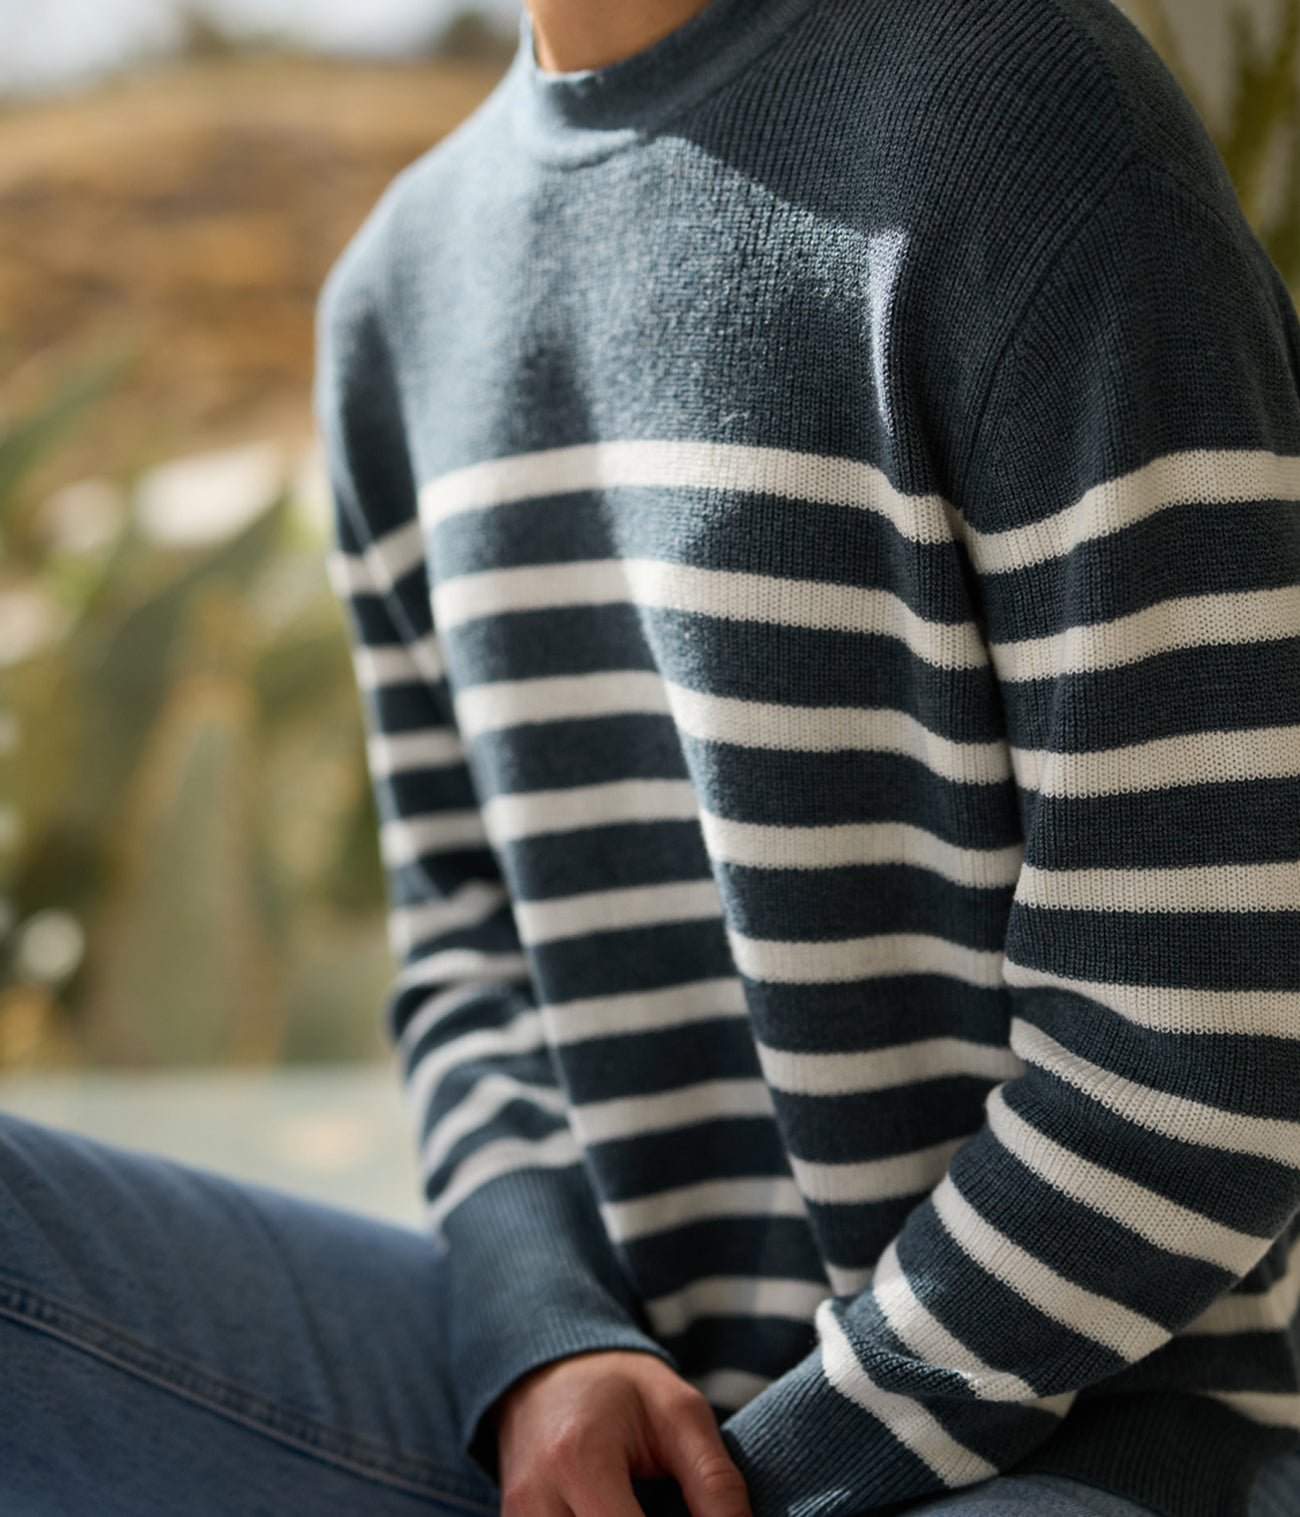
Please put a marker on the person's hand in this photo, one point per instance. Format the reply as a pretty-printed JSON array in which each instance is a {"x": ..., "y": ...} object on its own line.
[{"x": 572, "y": 1434}]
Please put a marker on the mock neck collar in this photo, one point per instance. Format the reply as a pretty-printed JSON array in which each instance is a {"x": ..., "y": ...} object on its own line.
[{"x": 584, "y": 114}]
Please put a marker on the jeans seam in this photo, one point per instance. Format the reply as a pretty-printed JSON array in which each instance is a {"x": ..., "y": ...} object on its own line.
[{"x": 110, "y": 1344}]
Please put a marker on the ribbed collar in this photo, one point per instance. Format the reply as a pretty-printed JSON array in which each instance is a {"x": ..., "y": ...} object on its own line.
[{"x": 585, "y": 114}]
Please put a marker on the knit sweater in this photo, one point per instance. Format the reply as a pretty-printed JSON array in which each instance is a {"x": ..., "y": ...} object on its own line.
[{"x": 817, "y": 507}]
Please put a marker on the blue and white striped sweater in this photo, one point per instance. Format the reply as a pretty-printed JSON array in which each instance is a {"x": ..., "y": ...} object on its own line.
[{"x": 818, "y": 510}]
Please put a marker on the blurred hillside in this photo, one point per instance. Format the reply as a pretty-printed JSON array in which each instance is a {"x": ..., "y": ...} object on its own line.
[
  {"x": 189, "y": 868},
  {"x": 188, "y": 215}
]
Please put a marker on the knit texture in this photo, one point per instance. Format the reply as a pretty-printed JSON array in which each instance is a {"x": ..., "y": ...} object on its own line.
[{"x": 818, "y": 515}]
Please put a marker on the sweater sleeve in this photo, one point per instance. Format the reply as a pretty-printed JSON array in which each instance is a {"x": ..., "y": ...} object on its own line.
[
  {"x": 526, "y": 1273},
  {"x": 1131, "y": 514}
]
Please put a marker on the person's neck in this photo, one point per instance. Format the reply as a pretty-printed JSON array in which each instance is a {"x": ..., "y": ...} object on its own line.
[{"x": 581, "y": 34}]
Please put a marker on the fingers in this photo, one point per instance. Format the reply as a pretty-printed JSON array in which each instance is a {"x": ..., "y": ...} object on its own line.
[
  {"x": 600, "y": 1486},
  {"x": 532, "y": 1501},
  {"x": 690, "y": 1446}
]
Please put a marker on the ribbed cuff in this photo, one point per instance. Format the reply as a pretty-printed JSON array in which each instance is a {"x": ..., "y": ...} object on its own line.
[
  {"x": 528, "y": 1277},
  {"x": 799, "y": 1442}
]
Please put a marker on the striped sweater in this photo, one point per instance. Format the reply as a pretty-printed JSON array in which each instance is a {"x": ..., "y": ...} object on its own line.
[{"x": 817, "y": 507}]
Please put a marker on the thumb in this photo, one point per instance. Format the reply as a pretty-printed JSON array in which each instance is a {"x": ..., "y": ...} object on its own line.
[{"x": 690, "y": 1447}]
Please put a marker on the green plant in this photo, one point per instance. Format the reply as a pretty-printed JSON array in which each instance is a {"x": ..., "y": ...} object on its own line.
[{"x": 190, "y": 870}]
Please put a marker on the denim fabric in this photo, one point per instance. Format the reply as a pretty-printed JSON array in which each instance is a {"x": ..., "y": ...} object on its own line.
[
  {"x": 173, "y": 1341},
  {"x": 1275, "y": 1493},
  {"x": 1031, "y": 1496}
]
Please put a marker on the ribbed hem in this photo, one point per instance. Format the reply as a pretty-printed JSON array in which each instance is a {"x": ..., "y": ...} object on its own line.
[
  {"x": 528, "y": 1277},
  {"x": 585, "y": 114}
]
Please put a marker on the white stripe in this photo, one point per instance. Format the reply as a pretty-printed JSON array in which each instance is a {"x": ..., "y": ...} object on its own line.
[
  {"x": 862, "y": 1069},
  {"x": 470, "y": 904},
  {"x": 749, "y": 1296},
  {"x": 909, "y": 1421},
  {"x": 462, "y": 964},
  {"x": 533, "y": 813},
  {"x": 714, "y": 467},
  {"x": 1197, "y": 887},
  {"x": 442, "y": 1004},
  {"x": 407, "y": 838},
  {"x": 848, "y": 1282},
  {"x": 676, "y": 1005},
  {"x": 1277, "y": 1408},
  {"x": 367, "y": 575},
  {"x": 1172, "y": 1116},
  {"x": 1253, "y": 1311},
  {"x": 592, "y": 911},
  {"x": 724, "y": 593},
  {"x": 1219, "y": 757},
  {"x": 728, "y": 719},
  {"x": 1169, "y": 626},
  {"x": 781, "y": 846},
  {"x": 381, "y": 562},
  {"x": 375, "y": 571},
  {"x": 1127, "y": 1333},
  {"x": 929, "y": 1340},
  {"x": 511, "y": 703},
  {"x": 400, "y": 752},
  {"x": 835, "y": 729},
  {"x": 1175, "y": 1008},
  {"x": 855, "y": 1182},
  {"x": 481, "y": 1104},
  {"x": 523, "y": 1034},
  {"x": 1143, "y": 1211},
  {"x": 633, "y": 1116},
  {"x": 876, "y": 957},
  {"x": 380, "y": 665},
  {"x": 1198, "y": 475},
  {"x": 348, "y": 574},
  {"x": 730, "y": 1389},
  {"x": 739, "y": 1196},
  {"x": 556, "y": 1151}
]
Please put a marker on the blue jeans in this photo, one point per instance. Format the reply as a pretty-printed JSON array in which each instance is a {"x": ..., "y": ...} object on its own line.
[{"x": 174, "y": 1342}]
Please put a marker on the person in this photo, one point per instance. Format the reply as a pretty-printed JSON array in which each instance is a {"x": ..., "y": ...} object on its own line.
[{"x": 817, "y": 508}]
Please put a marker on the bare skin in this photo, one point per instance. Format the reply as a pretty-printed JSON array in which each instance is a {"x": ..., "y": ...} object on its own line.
[
  {"x": 578, "y": 34},
  {"x": 572, "y": 1435}
]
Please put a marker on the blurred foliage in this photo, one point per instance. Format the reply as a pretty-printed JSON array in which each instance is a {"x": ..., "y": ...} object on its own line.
[
  {"x": 202, "y": 35},
  {"x": 470, "y": 36},
  {"x": 193, "y": 873},
  {"x": 1262, "y": 117}
]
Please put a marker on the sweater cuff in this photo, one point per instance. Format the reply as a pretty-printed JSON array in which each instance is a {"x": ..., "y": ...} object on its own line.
[
  {"x": 528, "y": 1276},
  {"x": 801, "y": 1439},
  {"x": 779, "y": 1441}
]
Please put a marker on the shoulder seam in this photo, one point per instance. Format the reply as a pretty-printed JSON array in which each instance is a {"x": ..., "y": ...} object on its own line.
[
  {"x": 1099, "y": 54},
  {"x": 1190, "y": 189},
  {"x": 1071, "y": 232},
  {"x": 1138, "y": 160},
  {"x": 1257, "y": 251}
]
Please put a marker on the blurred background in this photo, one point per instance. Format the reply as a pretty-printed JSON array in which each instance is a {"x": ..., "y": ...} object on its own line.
[{"x": 192, "y": 948}]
